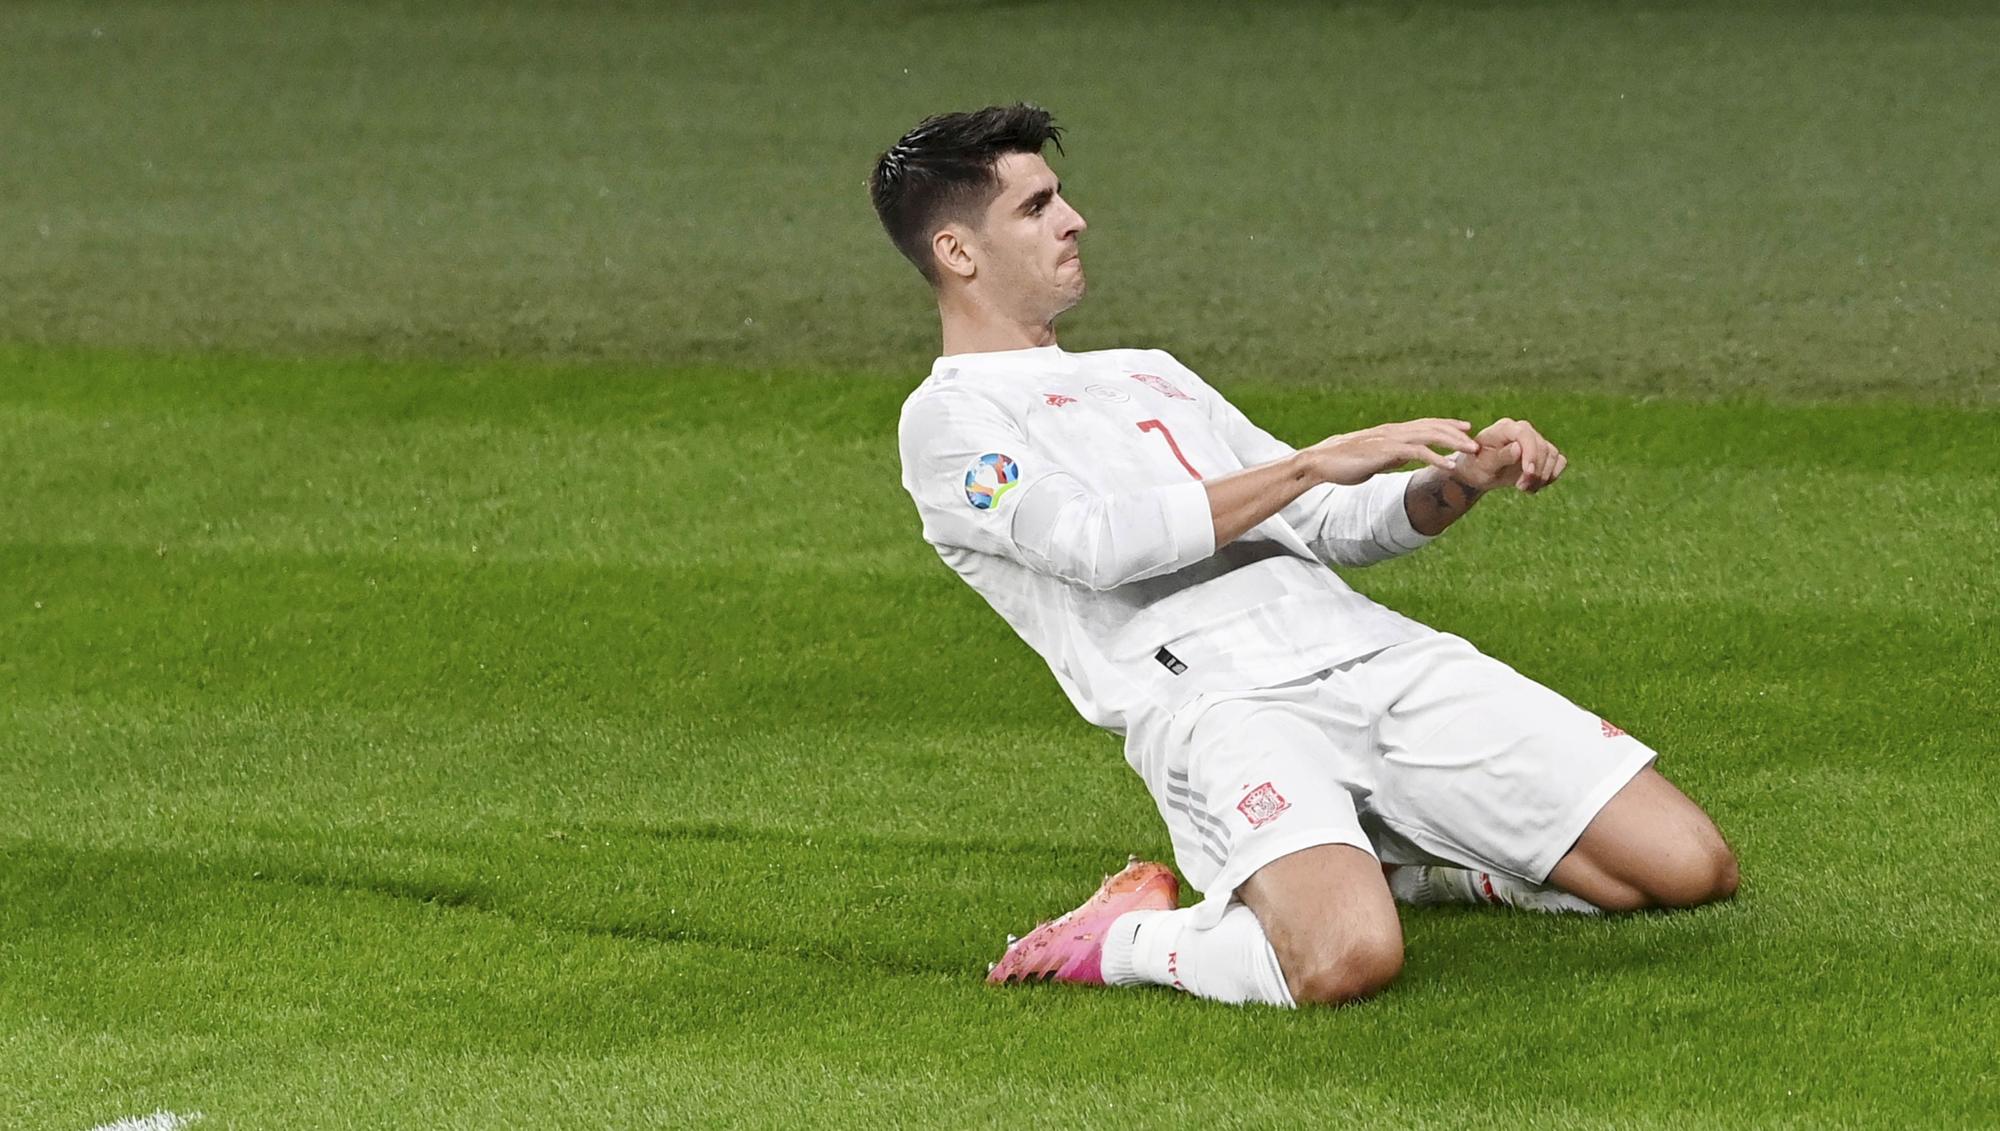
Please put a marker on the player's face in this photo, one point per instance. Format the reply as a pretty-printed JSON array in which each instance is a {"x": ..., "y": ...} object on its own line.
[{"x": 1028, "y": 244}]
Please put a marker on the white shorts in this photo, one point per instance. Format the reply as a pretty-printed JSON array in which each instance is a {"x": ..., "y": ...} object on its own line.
[{"x": 1425, "y": 752}]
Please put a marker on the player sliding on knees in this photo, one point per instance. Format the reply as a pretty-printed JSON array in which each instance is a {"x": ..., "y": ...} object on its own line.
[{"x": 1315, "y": 755}]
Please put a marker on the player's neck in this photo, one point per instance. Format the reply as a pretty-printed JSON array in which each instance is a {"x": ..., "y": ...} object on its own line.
[{"x": 970, "y": 328}]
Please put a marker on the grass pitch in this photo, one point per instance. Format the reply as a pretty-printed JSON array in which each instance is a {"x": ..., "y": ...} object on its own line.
[
  {"x": 1785, "y": 198},
  {"x": 395, "y": 746},
  {"x": 468, "y": 662}
]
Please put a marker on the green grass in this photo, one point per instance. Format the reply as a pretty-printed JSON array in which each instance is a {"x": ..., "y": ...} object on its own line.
[
  {"x": 466, "y": 659},
  {"x": 435, "y": 746},
  {"x": 1705, "y": 197}
]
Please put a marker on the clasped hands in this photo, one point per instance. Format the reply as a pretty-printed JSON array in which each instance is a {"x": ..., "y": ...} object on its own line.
[{"x": 1505, "y": 452}]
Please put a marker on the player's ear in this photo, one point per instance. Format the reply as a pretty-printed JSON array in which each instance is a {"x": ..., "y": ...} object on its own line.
[{"x": 952, "y": 250}]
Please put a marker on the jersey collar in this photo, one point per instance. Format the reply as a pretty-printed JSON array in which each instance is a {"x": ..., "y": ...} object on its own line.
[{"x": 1041, "y": 358}]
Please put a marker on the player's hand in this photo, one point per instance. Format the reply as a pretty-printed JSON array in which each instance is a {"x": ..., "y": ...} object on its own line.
[
  {"x": 1511, "y": 453},
  {"x": 1353, "y": 457}
]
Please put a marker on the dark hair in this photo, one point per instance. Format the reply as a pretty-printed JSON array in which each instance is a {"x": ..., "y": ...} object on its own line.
[{"x": 943, "y": 169}]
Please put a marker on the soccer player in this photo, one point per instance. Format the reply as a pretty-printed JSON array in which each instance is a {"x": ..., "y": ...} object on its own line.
[{"x": 1315, "y": 755}]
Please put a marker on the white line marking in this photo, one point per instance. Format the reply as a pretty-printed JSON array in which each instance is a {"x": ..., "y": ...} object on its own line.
[{"x": 158, "y": 1121}]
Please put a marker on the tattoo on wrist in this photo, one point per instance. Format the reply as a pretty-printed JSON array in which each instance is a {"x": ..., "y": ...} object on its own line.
[
  {"x": 1435, "y": 490},
  {"x": 1440, "y": 491}
]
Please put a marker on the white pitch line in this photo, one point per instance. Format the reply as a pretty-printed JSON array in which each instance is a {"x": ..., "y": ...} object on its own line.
[{"x": 158, "y": 1121}]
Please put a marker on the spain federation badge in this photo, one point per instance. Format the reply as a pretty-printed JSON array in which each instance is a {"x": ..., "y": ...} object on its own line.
[{"x": 990, "y": 476}]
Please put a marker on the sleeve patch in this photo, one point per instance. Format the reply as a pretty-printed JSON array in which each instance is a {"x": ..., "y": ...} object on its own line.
[{"x": 990, "y": 476}]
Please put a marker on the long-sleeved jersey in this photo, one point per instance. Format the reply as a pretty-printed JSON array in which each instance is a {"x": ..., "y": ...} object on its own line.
[{"x": 1066, "y": 488}]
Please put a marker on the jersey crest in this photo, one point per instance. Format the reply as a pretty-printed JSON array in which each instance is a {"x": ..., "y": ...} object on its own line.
[{"x": 1161, "y": 386}]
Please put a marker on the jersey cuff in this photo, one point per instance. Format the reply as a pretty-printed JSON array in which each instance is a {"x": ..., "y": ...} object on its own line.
[
  {"x": 1190, "y": 524},
  {"x": 1392, "y": 514}
]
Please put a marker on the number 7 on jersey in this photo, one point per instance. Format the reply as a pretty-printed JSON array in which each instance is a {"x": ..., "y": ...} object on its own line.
[{"x": 1157, "y": 426}]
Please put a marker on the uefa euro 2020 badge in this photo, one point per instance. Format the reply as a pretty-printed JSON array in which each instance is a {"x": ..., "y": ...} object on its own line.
[{"x": 990, "y": 476}]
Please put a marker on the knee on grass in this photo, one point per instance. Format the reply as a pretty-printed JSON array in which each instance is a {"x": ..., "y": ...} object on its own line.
[
  {"x": 1348, "y": 969},
  {"x": 1693, "y": 872}
]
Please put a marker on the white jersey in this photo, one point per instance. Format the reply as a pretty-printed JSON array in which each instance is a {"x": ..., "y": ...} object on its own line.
[{"x": 1066, "y": 488}]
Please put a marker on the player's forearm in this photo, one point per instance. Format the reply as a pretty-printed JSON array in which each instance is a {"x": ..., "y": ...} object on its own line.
[
  {"x": 1242, "y": 499},
  {"x": 1435, "y": 499},
  {"x": 1100, "y": 541}
]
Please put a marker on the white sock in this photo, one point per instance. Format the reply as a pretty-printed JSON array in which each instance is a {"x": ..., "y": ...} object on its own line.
[
  {"x": 1427, "y": 885},
  {"x": 1231, "y": 961}
]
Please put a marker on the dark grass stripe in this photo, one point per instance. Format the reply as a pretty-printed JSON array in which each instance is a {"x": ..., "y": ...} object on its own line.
[{"x": 1703, "y": 200}]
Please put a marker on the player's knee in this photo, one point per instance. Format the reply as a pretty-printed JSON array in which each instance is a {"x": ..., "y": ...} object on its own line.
[
  {"x": 1727, "y": 875},
  {"x": 1358, "y": 965},
  {"x": 1701, "y": 870}
]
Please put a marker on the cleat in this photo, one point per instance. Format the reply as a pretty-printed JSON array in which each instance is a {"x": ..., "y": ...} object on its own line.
[{"x": 1071, "y": 948}]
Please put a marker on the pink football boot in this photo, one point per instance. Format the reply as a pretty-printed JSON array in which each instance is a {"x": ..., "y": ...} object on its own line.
[{"x": 1071, "y": 949}]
